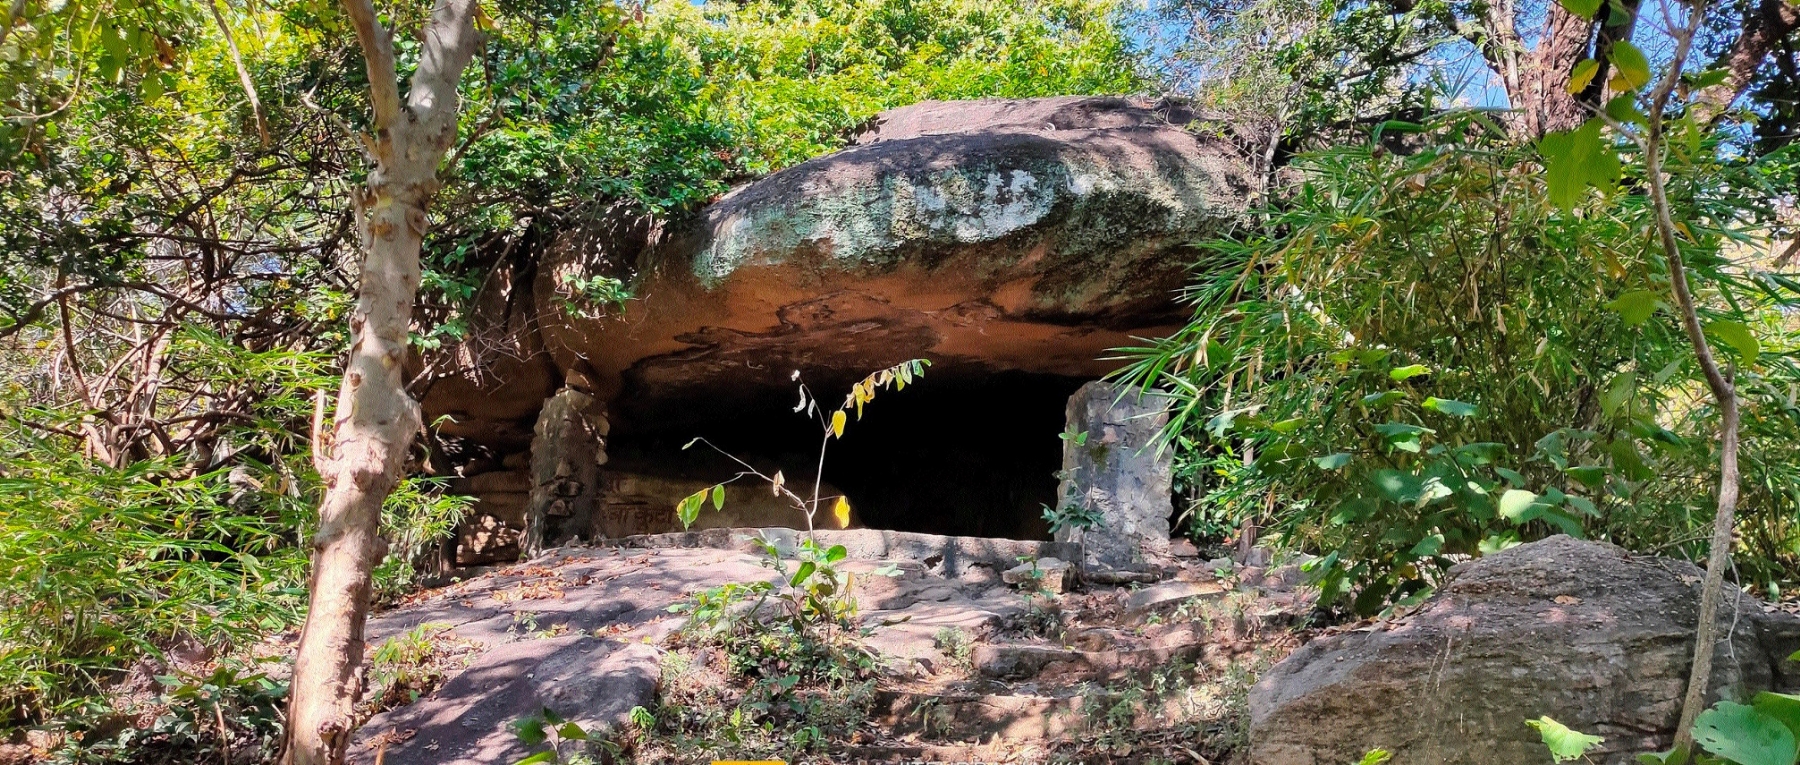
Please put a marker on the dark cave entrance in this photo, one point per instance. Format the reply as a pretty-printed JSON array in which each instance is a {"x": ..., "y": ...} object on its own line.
[{"x": 964, "y": 452}]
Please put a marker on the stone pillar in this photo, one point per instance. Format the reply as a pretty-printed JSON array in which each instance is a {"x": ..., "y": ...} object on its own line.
[
  {"x": 1115, "y": 473},
  {"x": 568, "y": 445}
]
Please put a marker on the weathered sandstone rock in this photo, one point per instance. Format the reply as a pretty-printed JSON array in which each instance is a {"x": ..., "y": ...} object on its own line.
[
  {"x": 1012, "y": 242},
  {"x": 1591, "y": 635},
  {"x": 1028, "y": 235},
  {"x": 1113, "y": 470}
]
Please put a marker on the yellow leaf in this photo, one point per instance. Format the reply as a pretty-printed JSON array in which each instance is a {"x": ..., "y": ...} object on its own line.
[
  {"x": 1584, "y": 74},
  {"x": 837, "y": 423},
  {"x": 777, "y": 481},
  {"x": 841, "y": 511}
]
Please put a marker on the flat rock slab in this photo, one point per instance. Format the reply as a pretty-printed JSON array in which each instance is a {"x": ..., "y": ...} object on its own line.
[
  {"x": 1165, "y": 597},
  {"x": 535, "y": 624},
  {"x": 954, "y": 557},
  {"x": 577, "y": 630}
]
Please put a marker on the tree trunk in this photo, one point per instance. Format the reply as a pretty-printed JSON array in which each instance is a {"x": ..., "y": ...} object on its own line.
[
  {"x": 1765, "y": 24},
  {"x": 1541, "y": 94},
  {"x": 376, "y": 421}
]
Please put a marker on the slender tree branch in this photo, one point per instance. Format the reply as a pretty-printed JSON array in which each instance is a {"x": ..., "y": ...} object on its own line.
[
  {"x": 237, "y": 59},
  {"x": 378, "y": 56},
  {"x": 1724, "y": 519}
]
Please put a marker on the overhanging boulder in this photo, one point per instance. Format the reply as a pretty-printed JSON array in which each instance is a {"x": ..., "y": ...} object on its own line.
[
  {"x": 1011, "y": 242},
  {"x": 987, "y": 235}
]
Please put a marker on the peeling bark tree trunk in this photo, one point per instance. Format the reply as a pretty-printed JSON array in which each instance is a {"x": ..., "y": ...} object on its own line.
[{"x": 376, "y": 420}]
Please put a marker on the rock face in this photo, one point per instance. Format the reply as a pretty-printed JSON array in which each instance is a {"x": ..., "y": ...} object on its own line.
[
  {"x": 1011, "y": 242},
  {"x": 1112, "y": 470},
  {"x": 1020, "y": 235},
  {"x": 1586, "y": 633}
]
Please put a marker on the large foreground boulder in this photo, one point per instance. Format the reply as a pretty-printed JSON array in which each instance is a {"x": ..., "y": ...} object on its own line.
[{"x": 1586, "y": 633}]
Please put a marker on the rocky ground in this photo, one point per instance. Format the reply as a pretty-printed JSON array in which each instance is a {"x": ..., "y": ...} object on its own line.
[{"x": 971, "y": 667}]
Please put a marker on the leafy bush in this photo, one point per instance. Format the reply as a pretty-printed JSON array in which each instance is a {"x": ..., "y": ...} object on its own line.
[{"x": 1425, "y": 358}]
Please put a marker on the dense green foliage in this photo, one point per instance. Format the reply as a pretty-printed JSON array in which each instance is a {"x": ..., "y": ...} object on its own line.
[{"x": 1427, "y": 357}]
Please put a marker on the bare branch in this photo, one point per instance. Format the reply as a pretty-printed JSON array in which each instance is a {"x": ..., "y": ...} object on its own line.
[
  {"x": 451, "y": 41},
  {"x": 1724, "y": 392}
]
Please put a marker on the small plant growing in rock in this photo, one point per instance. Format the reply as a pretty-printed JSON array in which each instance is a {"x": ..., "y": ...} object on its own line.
[
  {"x": 408, "y": 666},
  {"x": 548, "y": 727},
  {"x": 1070, "y": 516},
  {"x": 958, "y": 645},
  {"x": 831, "y": 424}
]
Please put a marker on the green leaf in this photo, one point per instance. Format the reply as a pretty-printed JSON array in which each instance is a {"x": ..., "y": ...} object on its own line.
[
  {"x": 1495, "y": 544},
  {"x": 1512, "y": 476},
  {"x": 1711, "y": 77},
  {"x": 1781, "y": 706},
  {"x": 1383, "y": 399},
  {"x": 1402, "y": 435},
  {"x": 1677, "y": 756},
  {"x": 1583, "y": 8},
  {"x": 1563, "y": 522},
  {"x": 572, "y": 732},
  {"x": 1636, "y": 306},
  {"x": 1589, "y": 475},
  {"x": 1428, "y": 546},
  {"x": 1376, "y": 757},
  {"x": 688, "y": 510},
  {"x": 1576, "y": 159},
  {"x": 538, "y": 759},
  {"x": 1624, "y": 108},
  {"x": 1408, "y": 372},
  {"x": 1332, "y": 461},
  {"x": 1516, "y": 504},
  {"x": 1583, "y": 74},
  {"x": 1450, "y": 407},
  {"x": 1565, "y": 744},
  {"x": 1618, "y": 391},
  {"x": 718, "y": 497},
  {"x": 1738, "y": 336},
  {"x": 530, "y": 730},
  {"x": 835, "y": 553},
  {"x": 800, "y": 575},
  {"x": 1745, "y": 735},
  {"x": 1633, "y": 71}
]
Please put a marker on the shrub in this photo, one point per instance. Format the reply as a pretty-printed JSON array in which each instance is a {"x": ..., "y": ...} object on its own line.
[{"x": 1425, "y": 358}]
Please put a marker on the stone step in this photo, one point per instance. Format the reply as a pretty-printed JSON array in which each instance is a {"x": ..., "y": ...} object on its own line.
[
  {"x": 907, "y": 754},
  {"x": 978, "y": 559},
  {"x": 1016, "y": 662},
  {"x": 981, "y": 718},
  {"x": 1163, "y": 599}
]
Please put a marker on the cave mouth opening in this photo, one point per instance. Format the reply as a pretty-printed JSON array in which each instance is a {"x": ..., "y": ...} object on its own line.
[{"x": 963, "y": 452}]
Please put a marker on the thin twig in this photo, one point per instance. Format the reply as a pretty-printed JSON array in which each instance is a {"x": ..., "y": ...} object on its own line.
[{"x": 237, "y": 59}]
